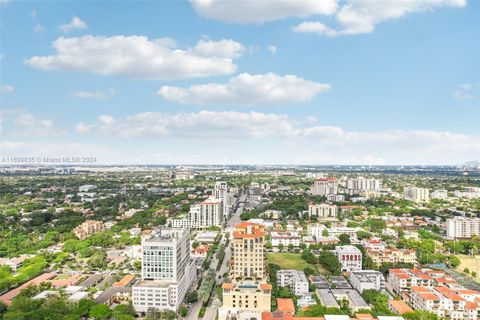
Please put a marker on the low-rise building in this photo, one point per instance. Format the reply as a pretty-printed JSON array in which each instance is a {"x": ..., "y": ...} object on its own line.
[
  {"x": 285, "y": 238},
  {"x": 350, "y": 258},
  {"x": 367, "y": 279},
  {"x": 295, "y": 279}
]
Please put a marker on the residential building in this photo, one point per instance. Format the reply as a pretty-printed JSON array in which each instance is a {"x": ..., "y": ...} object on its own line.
[
  {"x": 295, "y": 279},
  {"x": 323, "y": 211},
  {"x": 316, "y": 230},
  {"x": 285, "y": 238},
  {"x": 439, "y": 194},
  {"x": 415, "y": 194},
  {"x": 207, "y": 213},
  {"x": 444, "y": 302},
  {"x": 167, "y": 271},
  {"x": 392, "y": 255},
  {"x": 324, "y": 187},
  {"x": 220, "y": 191},
  {"x": 248, "y": 291},
  {"x": 350, "y": 258},
  {"x": 335, "y": 197},
  {"x": 367, "y": 279},
  {"x": 463, "y": 227},
  {"x": 362, "y": 184},
  {"x": 88, "y": 228}
]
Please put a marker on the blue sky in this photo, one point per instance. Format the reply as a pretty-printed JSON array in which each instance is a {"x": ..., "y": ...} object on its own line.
[{"x": 344, "y": 82}]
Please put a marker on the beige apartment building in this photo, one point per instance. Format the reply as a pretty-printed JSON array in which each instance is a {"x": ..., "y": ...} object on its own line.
[
  {"x": 88, "y": 228},
  {"x": 247, "y": 292}
]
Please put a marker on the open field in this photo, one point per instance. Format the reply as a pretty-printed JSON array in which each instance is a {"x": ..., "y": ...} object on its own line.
[
  {"x": 472, "y": 263},
  {"x": 289, "y": 261}
]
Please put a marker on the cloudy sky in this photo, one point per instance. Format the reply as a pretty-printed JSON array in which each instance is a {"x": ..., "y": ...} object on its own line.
[{"x": 241, "y": 82}]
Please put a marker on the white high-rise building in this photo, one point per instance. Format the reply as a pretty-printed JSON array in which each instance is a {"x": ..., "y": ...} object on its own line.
[
  {"x": 220, "y": 191},
  {"x": 462, "y": 227},
  {"x": 207, "y": 213},
  {"x": 167, "y": 271},
  {"x": 361, "y": 184},
  {"x": 416, "y": 194},
  {"x": 323, "y": 211},
  {"x": 439, "y": 194},
  {"x": 324, "y": 187}
]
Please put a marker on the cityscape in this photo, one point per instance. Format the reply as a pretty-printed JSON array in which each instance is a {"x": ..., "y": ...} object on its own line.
[{"x": 240, "y": 160}]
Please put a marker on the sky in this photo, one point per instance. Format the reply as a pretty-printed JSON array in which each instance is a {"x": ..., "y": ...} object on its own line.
[{"x": 333, "y": 82}]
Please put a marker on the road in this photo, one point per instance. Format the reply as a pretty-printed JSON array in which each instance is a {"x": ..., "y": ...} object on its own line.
[{"x": 211, "y": 312}]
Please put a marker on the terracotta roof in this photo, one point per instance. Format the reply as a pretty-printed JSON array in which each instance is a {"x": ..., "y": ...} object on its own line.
[
  {"x": 227, "y": 285},
  {"x": 400, "y": 306},
  {"x": 125, "y": 281},
  {"x": 285, "y": 305},
  {"x": 428, "y": 296},
  {"x": 266, "y": 286}
]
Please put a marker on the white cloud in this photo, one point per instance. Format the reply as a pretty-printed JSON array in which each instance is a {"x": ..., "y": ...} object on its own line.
[
  {"x": 33, "y": 14},
  {"x": 361, "y": 16},
  {"x": 224, "y": 48},
  {"x": 272, "y": 49},
  {"x": 246, "y": 89},
  {"x": 6, "y": 89},
  {"x": 466, "y": 91},
  {"x": 75, "y": 24},
  {"x": 22, "y": 123},
  {"x": 97, "y": 95},
  {"x": 278, "y": 138},
  {"x": 261, "y": 11},
  {"x": 140, "y": 57},
  {"x": 38, "y": 29}
]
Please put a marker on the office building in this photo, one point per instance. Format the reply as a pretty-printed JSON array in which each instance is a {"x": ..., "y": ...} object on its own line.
[{"x": 167, "y": 271}]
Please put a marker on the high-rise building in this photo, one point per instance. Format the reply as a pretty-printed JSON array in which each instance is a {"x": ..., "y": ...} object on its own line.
[
  {"x": 88, "y": 228},
  {"x": 220, "y": 191},
  {"x": 463, "y": 227},
  {"x": 324, "y": 187},
  {"x": 167, "y": 271},
  {"x": 247, "y": 292},
  {"x": 323, "y": 211},
  {"x": 416, "y": 194},
  {"x": 362, "y": 184},
  {"x": 207, "y": 213}
]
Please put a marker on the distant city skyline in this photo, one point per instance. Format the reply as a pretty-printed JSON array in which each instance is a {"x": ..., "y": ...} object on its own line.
[{"x": 241, "y": 82}]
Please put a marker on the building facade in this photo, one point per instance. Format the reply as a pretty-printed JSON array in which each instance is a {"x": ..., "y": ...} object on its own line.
[
  {"x": 367, "y": 279},
  {"x": 207, "y": 213},
  {"x": 167, "y": 271},
  {"x": 463, "y": 227},
  {"x": 350, "y": 258},
  {"x": 323, "y": 211},
  {"x": 324, "y": 187},
  {"x": 415, "y": 194}
]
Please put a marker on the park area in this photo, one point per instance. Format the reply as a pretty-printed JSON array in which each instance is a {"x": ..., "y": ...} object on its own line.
[
  {"x": 472, "y": 264},
  {"x": 292, "y": 261}
]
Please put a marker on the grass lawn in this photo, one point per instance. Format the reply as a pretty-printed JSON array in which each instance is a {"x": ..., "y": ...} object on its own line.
[
  {"x": 472, "y": 263},
  {"x": 289, "y": 261}
]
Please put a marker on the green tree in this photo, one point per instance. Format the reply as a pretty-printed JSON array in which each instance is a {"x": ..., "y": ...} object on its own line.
[{"x": 100, "y": 312}]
